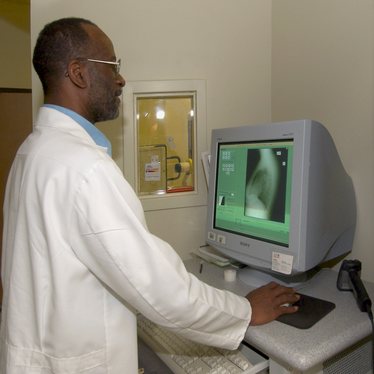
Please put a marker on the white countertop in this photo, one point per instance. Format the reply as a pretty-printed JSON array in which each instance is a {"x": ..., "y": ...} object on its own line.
[{"x": 297, "y": 348}]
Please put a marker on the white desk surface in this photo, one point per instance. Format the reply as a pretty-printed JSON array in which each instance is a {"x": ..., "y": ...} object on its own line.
[{"x": 302, "y": 349}]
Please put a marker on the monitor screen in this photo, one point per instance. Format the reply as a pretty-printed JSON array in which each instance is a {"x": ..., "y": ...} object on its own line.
[
  {"x": 254, "y": 189},
  {"x": 279, "y": 198}
]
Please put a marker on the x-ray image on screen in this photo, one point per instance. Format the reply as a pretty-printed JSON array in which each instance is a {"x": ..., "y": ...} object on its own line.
[{"x": 266, "y": 183}]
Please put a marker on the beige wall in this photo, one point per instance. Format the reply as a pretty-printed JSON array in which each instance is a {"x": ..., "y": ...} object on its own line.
[
  {"x": 261, "y": 60},
  {"x": 323, "y": 68},
  {"x": 227, "y": 46}
]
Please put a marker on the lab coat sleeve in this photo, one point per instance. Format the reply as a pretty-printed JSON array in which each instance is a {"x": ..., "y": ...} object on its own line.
[{"x": 110, "y": 237}]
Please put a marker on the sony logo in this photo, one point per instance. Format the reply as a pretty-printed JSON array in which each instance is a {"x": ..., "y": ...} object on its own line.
[{"x": 244, "y": 244}]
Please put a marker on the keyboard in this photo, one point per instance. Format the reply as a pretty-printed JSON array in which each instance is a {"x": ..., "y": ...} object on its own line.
[{"x": 184, "y": 356}]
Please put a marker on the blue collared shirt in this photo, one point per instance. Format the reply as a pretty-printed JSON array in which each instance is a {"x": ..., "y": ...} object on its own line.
[{"x": 98, "y": 137}]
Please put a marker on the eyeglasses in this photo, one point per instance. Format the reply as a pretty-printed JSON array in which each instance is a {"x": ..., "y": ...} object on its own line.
[{"x": 116, "y": 64}]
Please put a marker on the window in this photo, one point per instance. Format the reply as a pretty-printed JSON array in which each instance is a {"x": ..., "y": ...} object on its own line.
[{"x": 166, "y": 131}]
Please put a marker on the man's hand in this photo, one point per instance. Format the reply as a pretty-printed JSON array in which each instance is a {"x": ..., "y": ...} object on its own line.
[{"x": 270, "y": 301}]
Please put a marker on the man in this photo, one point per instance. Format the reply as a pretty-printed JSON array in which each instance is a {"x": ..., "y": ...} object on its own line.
[{"x": 78, "y": 260}]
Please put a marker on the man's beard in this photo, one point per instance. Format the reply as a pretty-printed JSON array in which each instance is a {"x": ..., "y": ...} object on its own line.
[
  {"x": 105, "y": 111},
  {"x": 103, "y": 101}
]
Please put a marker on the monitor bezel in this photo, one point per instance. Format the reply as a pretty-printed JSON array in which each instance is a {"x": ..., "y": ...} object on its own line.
[{"x": 262, "y": 252}]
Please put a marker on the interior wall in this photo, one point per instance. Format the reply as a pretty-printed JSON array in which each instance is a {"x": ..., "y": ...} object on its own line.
[
  {"x": 15, "y": 84},
  {"x": 321, "y": 59},
  {"x": 323, "y": 68},
  {"x": 227, "y": 46},
  {"x": 15, "y": 66},
  {"x": 15, "y": 125}
]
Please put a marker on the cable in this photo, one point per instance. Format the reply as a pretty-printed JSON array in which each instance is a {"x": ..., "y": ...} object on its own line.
[
  {"x": 370, "y": 314},
  {"x": 349, "y": 279}
]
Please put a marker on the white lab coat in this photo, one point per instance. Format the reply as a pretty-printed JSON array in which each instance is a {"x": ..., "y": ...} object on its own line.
[{"x": 79, "y": 261}]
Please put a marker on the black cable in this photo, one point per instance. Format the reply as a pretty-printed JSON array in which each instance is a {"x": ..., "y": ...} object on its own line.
[
  {"x": 370, "y": 314},
  {"x": 349, "y": 279}
]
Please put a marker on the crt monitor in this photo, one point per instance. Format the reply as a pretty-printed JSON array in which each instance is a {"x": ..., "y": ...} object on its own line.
[{"x": 279, "y": 200}]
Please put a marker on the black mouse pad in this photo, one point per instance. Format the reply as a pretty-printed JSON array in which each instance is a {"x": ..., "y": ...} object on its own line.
[{"x": 311, "y": 310}]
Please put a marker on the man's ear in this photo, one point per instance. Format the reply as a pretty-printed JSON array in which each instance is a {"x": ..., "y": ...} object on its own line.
[{"x": 77, "y": 73}]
